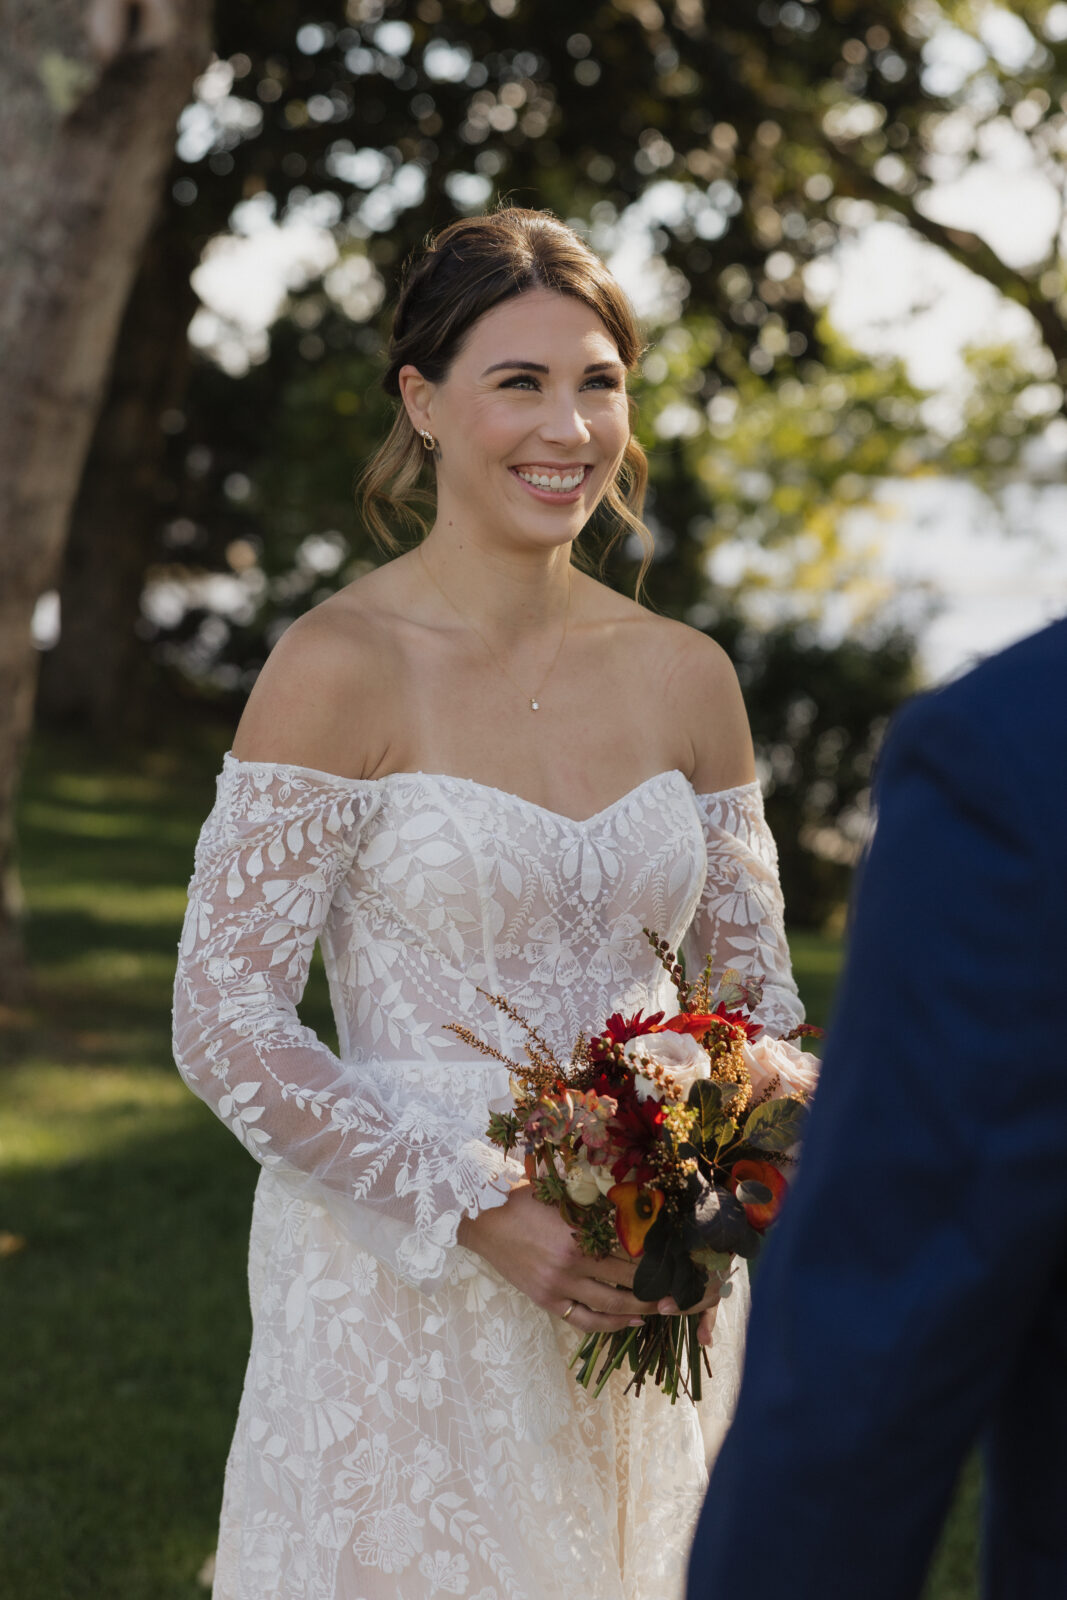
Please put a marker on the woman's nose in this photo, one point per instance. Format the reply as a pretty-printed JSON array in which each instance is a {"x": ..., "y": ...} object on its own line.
[{"x": 564, "y": 423}]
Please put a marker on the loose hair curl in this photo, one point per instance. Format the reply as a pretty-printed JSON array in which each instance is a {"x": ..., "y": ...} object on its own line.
[{"x": 467, "y": 269}]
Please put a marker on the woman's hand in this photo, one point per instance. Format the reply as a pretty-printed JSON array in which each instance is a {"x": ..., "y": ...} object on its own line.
[
  {"x": 531, "y": 1246},
  {"x": 707, "y": 1307}
]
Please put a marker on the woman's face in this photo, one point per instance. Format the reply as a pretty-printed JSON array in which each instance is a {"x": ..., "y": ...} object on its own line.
[{"x": 532, "y": 420}]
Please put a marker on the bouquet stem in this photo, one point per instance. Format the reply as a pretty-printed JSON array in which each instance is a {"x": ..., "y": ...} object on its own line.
[{"x": 668, "y": 1348}]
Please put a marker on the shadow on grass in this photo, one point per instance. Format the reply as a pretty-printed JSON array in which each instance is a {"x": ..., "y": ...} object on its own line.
[{"x": 126, "y": 1331}]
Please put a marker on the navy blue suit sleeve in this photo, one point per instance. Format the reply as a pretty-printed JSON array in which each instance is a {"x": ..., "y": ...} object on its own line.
[{"x": 930, "y": 1205}]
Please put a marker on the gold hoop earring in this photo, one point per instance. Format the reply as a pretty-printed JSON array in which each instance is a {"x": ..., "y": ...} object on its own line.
[{"x": 428, "y": 440}]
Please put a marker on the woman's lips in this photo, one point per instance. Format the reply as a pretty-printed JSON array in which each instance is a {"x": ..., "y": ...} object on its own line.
[{"x": 547, "y": 494}]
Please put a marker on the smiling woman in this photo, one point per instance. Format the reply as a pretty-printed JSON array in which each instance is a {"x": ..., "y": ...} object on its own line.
[
  {"x": 409, "y": 1426},
  {"x": 473, "y": 268}
]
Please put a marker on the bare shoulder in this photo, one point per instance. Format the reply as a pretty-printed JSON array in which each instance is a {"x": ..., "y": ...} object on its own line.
[
  {"x": 685, "y": 687},
  {"x": 698, "y": 683},
  {"x": 318, "y": 700}
]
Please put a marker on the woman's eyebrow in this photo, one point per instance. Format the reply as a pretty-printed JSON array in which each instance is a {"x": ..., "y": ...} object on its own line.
[
  {"x": 537, "y": 366},
  {"x": 522, "y": 366}
]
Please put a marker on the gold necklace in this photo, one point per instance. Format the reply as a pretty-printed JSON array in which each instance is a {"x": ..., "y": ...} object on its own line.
[{"x": 534, "y": 699}]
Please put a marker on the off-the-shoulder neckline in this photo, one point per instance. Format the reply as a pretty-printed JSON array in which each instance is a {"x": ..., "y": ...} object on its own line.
[{"x": 489, "y": 788}]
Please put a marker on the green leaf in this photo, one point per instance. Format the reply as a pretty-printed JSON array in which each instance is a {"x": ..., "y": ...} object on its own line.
[
  {"x": 717, "y": 1261},
  {"x": 705, "y": 1098},
  {"x": 719, "y": 1223},
  {"x": 503, "y": 1129},
  {"x": 550, "y": 1189},
  {"x": 775, "y": 1125},
  {"x": 688, "y": 1283},
  {"x": 655, "y": 1269},
  {"x": 653, "y": 1278}
]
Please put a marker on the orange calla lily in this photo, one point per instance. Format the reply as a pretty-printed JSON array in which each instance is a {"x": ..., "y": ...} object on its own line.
[
  {"x": 636, "y": 1209},
  {"x": 760, "y": 1216}
]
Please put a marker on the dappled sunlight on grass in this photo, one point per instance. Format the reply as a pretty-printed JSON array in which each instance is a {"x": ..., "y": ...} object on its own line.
[
  {"x": 55, "y": 1115},
  {"x": 114, "y": 903}
]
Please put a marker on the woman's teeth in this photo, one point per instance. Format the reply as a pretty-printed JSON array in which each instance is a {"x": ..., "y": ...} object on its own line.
[{"x": 554, "y": 480}]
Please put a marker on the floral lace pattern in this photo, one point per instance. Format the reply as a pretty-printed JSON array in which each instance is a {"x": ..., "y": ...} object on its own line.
[{"x": 409, "y": 1427}]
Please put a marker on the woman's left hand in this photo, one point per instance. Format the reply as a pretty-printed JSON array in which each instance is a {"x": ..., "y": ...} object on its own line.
[{"x": 707, "y": 1307}]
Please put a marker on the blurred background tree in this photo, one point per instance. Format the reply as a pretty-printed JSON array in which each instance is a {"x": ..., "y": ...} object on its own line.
[
  {"x": 735, "y": 146},
  {"x": 88, "y": 98}
]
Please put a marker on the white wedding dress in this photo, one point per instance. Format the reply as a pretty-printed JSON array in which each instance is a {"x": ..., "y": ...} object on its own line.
[{"x": 409, "y": 1427}]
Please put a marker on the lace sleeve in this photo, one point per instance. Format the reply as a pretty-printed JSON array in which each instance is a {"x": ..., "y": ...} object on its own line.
[
  {"x": 397, "y": 1172},
  {"x": 740, "y": 922}
]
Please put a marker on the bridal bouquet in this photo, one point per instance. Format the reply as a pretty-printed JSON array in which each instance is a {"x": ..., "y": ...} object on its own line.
[{"x": 652, "y": 1136}]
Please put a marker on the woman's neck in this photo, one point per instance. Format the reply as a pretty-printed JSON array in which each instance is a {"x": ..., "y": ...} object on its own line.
[{"x": 508, "y": 588}]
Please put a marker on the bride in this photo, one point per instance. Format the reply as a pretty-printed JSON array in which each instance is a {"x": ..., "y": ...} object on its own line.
[{"x": 475, "y": 769}]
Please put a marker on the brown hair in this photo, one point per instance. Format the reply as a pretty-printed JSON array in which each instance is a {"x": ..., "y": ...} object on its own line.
[{"x": 470, "y": 267}]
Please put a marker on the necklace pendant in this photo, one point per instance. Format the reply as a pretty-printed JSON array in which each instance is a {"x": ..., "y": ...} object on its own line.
[{"x": 535, "y": 705}]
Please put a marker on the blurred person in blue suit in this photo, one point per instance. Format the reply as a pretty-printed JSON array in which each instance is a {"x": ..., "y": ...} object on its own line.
[{"x": 914, "y": 1298}]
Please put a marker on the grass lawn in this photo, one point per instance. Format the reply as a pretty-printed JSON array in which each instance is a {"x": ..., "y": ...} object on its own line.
[{"x": 124, "y": 1208}]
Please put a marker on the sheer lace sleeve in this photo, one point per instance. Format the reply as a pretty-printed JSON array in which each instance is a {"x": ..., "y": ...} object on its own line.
[
  {"x": 397, "y": 1171},
  {"x": 740, "y": 922}
]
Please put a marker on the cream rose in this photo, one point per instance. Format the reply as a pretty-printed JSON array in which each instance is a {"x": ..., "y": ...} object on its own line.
[
  {"x": 770, "y": 1058},
  {"x": 677, "y": 1053},
  {"x": 581, "y": 1183}
]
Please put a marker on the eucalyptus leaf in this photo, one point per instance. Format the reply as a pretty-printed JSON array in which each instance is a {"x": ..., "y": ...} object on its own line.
[
  {"x": 751, "y": 1193},
  {"x": 713, "y": 1261},
  {"x": 775, "y": 1125},
  {"x": 655, "y": 1268},
  {"x": 705, "y": 1097},
  {"x": 688, "y": 1283},
  {"x": 720, "y": 1224},
  {"x": 654, "y": 1276}
]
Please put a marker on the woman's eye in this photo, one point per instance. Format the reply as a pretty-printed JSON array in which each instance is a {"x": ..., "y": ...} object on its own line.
[{"x": 524, "y": 381}]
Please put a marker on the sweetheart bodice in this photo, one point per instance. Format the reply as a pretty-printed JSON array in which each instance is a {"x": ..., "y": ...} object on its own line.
[{"x": 444, "y": 889}]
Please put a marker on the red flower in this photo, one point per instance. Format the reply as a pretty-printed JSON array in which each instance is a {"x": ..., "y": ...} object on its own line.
[
  {"x": 633, "y": 1129},
  {"x": 737, "y": 1019},
  {"x": 619, "y": 1030},
  {"x": 695, "y": 1022},
  {"x": 760, "y": 1216}
]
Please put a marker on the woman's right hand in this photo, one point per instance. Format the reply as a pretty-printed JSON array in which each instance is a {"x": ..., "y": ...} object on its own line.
[{"x": 531, "y": 1246}]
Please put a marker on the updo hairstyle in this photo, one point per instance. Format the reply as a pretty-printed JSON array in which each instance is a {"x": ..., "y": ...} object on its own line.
[{"x": 467, "y": 269}]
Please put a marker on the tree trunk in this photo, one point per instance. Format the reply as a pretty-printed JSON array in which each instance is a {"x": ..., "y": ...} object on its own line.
[
  {"x": 89, "y": 95},
  {"x": 94, "y": 679}
]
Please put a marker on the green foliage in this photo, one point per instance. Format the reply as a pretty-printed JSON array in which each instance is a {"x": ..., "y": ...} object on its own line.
[
  {"x": 656, "y": 1265},
  {"x": 706, "y": 1099},
  {"x": 776, "y": 1125},
  {"x": 764, "y": 134},
  {"x": 550, "y": 1189},
  {"x": 719, "y": 1224},
  {"x": 595, "y": 1230},
  {"x": 818, "y": 712},
  {"x": 751, "y": 1193},
  {"x": 688, "y": 1283},
  {"x": 503, "y": 1129}
]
